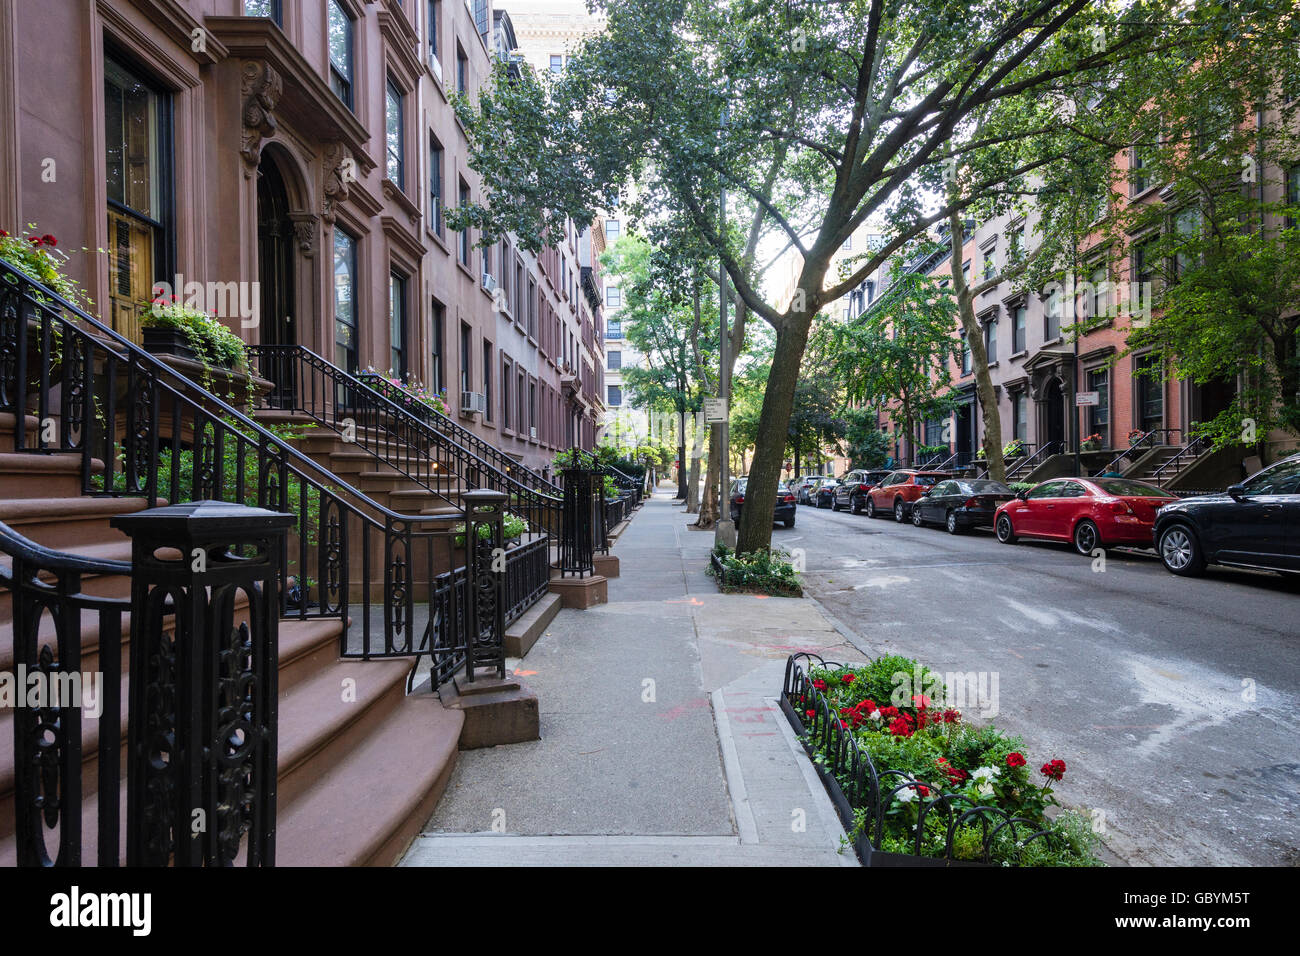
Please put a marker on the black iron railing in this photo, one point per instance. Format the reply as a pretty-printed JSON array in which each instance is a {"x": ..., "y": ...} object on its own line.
[
  {"x": 1027, "y": 464},
  {"x": 1185, "y": 455},
  {"x": 528, "y": 575},
  {"x": 485, "y": 451},
  {"x": 144, "y": 430},
  {"x": 864, "y": 795},
  {"x": 48, "y": 758},
  {"x": 379, "y": 419},
  {"x": 582, "y": 527}
]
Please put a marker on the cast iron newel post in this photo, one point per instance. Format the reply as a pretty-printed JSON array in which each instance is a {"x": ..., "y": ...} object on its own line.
[
  {"x": 201, "y": 735},
  {"x": 485, "y": 581}
]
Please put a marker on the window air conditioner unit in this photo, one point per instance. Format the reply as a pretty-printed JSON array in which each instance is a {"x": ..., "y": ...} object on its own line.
[
  {"x": 472, "y": 402},
  {"x": 489, "y": 282},
  {"x": 532, "y": 431}
]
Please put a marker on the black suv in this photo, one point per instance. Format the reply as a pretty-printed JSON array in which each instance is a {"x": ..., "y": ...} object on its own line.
[
  {"x": 852, "y": 490},
  {"x": 1255, "y": 524}
]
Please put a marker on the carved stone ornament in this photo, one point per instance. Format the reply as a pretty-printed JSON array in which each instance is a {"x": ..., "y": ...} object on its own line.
[
  {"x": 337, "y": 165},
  {"x": 305, "y": 229},
  {"x": 261, "y": 87}
]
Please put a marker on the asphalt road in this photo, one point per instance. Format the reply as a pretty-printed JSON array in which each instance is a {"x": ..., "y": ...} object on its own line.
[{"x": 1174, "y": 702}]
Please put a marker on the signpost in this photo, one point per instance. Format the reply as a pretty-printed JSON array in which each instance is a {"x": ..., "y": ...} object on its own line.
[
  {"x": 715, "y": 410},
  {"x": 1083, "y": 399}
]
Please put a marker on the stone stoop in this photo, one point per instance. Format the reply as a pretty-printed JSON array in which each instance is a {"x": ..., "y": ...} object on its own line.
[
  {"x": 523, "y": 633},
  {"x": 496, "y": 711}
]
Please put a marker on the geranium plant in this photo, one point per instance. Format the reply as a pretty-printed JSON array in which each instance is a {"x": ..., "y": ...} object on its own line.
[{"x": 414, "y": 390}]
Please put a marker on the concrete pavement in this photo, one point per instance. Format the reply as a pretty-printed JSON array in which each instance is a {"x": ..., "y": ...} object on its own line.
[{"x": 661, "y": 741}]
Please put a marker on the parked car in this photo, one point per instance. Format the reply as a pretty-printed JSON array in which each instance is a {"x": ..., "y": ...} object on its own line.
[
  {"x": 1255, "y": 524},
  {"x": 961, "y": 503},
  {"x": 896, "y": 491},
  {"x": 785, "y": 502},
  {"x": 823, "y": 496},
  {"x": 802, "y": 487},
  {"x": 853, "y": 487},
  {"x": 1090, "y": 513}
]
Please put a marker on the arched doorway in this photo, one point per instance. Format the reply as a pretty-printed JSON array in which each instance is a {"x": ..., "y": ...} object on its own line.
[{"x": 275, "y": 270}]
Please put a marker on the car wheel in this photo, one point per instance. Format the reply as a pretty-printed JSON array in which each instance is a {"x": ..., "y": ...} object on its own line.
[
  {"x": 916, "y": 517},
  {"x": 835, "y": 504},
  {"x": 871, "y": 507},
  {"x": 789, "y": 522},
  {"x": 855, "y": 505},
  {"x": 1180, "y": 551},
  {"x": 1086, "y": 538},
  {"x": 1006, "y": 534},
  {"x": 951, "y": 524},
  {"x": 899, "y": 514}
]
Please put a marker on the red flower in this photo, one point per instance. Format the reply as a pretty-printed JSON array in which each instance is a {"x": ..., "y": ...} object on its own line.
[
  {"x": 951, "y": 716},
  {"x": 867, "y": 705},
  {"x": 921, "y": 701},
  {"x": 900, "y": 727},
  {"x": 35, "y": 240},
  {"x": 810, "y": 713},
  {"x": 848, "y": 678},
  {"x": 1054, "y": 769},
  {"x": 888, "y": 711},
  {"x": 1015, "y": 760},
  {"x": 3, "y": 234},
  {"x": 49, "y": 240},
  {"x": 819, "y": 684},
  {"x": 923, "y": 790}
]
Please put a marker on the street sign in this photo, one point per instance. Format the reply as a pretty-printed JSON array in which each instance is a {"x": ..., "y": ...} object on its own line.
[
  {"x": 1087, "y": 398},
  {"x": 715, "y": 410}
]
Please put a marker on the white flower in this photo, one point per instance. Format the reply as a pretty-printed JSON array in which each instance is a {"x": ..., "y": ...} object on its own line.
[
  {"x": 986, "y": 774},
  {"x": 985, "y": 789},
  {"x": 906, "y": 796},
  {"x": 874, "y": 715}
]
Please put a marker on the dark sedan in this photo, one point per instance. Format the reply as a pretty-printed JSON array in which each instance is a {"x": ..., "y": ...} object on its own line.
[
  {"x": 823, "y": 496},
  {"x": 785, "y": 502},
  {"x": 960, "y": 503},
  {"x": 852, "y": 491},
  {"x": 1255, "y": 524}
]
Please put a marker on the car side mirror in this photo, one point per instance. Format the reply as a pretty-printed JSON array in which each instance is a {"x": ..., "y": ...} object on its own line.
[
  {"x": 1238, "y": 492},
  {"x": 1022, "y": 495}
]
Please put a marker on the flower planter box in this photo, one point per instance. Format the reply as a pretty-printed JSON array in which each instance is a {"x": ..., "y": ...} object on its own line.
[{"x": 168, "y": 341}]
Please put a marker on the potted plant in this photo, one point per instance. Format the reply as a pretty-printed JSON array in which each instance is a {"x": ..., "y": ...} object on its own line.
[
  {"x": 1135, "y": 436},
  {"x": 1013, "y": 449},
  {"x": 513, "y": 528},
  {"x": 1091, "y": 443}
]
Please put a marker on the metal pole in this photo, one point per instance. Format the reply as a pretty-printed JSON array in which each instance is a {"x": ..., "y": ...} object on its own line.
[{"x": 725, "y": 532}]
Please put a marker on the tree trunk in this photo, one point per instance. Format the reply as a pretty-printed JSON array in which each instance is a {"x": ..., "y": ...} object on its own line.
[
  {"x": 709, "y": 497},
  {"x": 979, "y": 357},
  {"x": 693, "y": 482},
  {"x": 774, "y": 424}
]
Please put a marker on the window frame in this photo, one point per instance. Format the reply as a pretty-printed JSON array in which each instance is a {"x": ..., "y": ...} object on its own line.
[
  {"x": 394, "y": 96},
  {"x": 336, "y": 79}
]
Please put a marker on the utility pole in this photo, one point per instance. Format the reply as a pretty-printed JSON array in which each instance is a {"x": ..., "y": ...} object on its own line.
[{"x": 725, "y": 530}]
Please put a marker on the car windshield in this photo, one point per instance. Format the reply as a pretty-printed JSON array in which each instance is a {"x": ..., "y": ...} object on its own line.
[
  {"x": 1131, "y": 489},
  {"x": 1281, "y": 479},
  {"x": 984, "y": 488},
  {"x": 925, "y": 481}
]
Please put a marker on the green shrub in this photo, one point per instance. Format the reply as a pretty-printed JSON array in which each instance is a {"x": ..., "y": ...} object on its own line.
[{"x": 763, "y": 572}]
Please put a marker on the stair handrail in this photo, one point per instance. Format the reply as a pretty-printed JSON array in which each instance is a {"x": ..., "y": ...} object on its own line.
[
  {"x": 505, "y": 481},
  {"x": 1195, "y": 447},
  {"x": 1147, "y": 439},
  {"x": 463, "y": 436},
  {"x": 1029, "y": 463},
  {"x": 276, "y": 459}
]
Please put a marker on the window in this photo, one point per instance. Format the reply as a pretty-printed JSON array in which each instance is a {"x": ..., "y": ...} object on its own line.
[
  {"x": 435, "y": 184},
  {"x": 614, "y": 329},
  {"x": 340, "y": 41},
  {"x": 965, "y": 271},
  {"x": 613, "y": 296},
  {"x": 1020, "y": 416},
  {"x": 1100, "y": 304},
  {"x": 612, "y": 227},
  {"x": 465, "y": 379},
  {"x": 487, "y": 379},
  {"x": 1139, "y": 179},
  {"x": 991, "y": 339},
  {"x": 1052, "y": 316},
  {"x": 437, "y": 321},
  {"x": 1048, "y": 489},
  {"x": 345, "y": 300},
  {"x": 848, "y": 244},
  {"x": 1144, "y": 261},
  {"x": 615, "y": 396},
  {"x": 615, "y": 359},
  {"x": 464, "y": 247},
  {"x": 990, "y": 264},
  {"x": 394, "y": 135},
  {"x": 431, "y": 28},
  {"x": 1020, "y": 315},
  {"x": 532, "y": 308},
  {"x": 397, "y": 324},
  {"x": 1293, "y": 194},
  {"x": 462, "y": 71},
  {"x": 1187, "y": 227},
  {"x": 965, "y": 356},
  {"x": 557, "y": 63},
  {"x": 263, "y": 8},
  {"x": 1098, "y": 380},
  {"x": 137, "y": 162},
  {"x": 507, "y": 420},
  {"x": 532, "y": 409}
]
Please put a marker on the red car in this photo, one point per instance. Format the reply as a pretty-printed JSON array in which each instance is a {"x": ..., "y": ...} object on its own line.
[
  {"x": 1090, "y": 513},
  {"x": 897, "y": 490}
]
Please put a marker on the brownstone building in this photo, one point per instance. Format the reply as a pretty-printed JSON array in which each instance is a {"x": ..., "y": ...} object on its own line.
[{"x": 300, "y": 153}]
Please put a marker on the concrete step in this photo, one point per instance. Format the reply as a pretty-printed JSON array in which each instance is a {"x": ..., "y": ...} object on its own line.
[
  {"x": 30, "y": 475},
  {"x": 524, "y": 632},
  {"x": 69, "y": 523}
]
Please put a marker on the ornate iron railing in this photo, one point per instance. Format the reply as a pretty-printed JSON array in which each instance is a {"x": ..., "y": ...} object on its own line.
[
  {"x": 583, "y": 521},
  {"x": 1187, "y": 454},
  {"x": 528, "y": 575},
  {"x": 381, "y": 420},
  {"x": 145, "y": 430},
  {"x": 48, "y": 758},
  {"x": 485, "y": 451},
  {"x": 864, "y": 795},
  {"x": 1027, "y": 464}
]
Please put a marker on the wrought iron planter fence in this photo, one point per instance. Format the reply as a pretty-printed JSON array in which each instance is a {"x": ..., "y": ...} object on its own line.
[
  {"x": 583, "y": 522},
  {"x": 864, "y": 795},
  {"x": 614, "y": 511}
]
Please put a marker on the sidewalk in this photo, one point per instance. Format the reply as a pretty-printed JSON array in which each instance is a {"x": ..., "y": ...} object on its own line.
[{"x": 661, "y": 740}]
